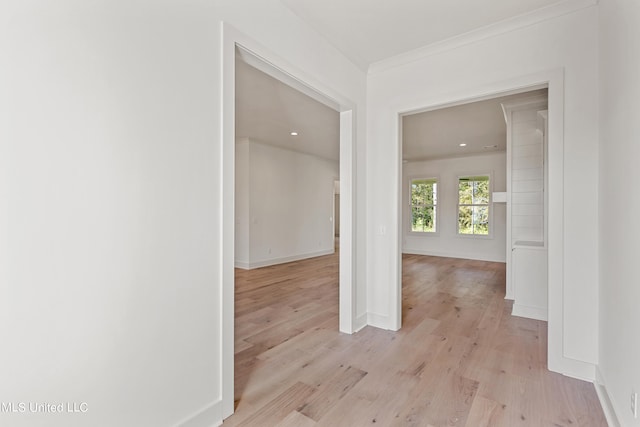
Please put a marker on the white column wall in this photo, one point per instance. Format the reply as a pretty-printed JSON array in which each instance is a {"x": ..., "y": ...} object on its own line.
[
  {"x": 568, "y": 43},
  {"x": 619, "y": 239},
  {"x": 110, "y": 160}
]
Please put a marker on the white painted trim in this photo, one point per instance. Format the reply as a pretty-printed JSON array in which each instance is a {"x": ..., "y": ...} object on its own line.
[
  {"x": 395, "y": 293},
  {"x": 499, "y": 197},
  {"x": 361, "y": 322},
  {"x": 554, "y": 80},
  {"x": 209, "y": 416},
  {"x": 578, "y": 369},
  {"x": 347, "y": 271},
  {"x": 286, "y": 78},
  {"x": 380, "y": 321},
  {"x": 537, "y": 313},
  {"x": 243, "y": 265},
  {"x": 281, "y": 260},
  {"x": 605, "y": 400},
  {"x": 231, "y": 38},
  {"x": 505, "y": 26},
  {"x": 227, "y": 223},
  {"x": 555, "y": 220},
  {"x": 452, "y": 255}
]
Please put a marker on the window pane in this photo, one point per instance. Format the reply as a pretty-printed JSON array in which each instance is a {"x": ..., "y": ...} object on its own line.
[
  {"x": 423, "y": 201},
  {"x": 415, "y": 195},
  {"x": 423, "y": 219},
  {"x": 422, "y": 192},
  {"x": 465, "y": 220},
  {"x": 416, "y": 220},
  {"x": 473, "y": 191},
  {"x": 465, "y": 192},
  {"x": 429, "y": 219},
  {"x": 481, "y": 192},
  {"x": 481, "y": 219}
]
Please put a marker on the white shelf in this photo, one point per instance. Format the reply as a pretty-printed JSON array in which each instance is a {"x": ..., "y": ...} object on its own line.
[{"x": 499, "y": 197}]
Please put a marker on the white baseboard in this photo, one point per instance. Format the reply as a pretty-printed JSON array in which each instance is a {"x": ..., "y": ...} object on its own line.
[
  {"x": 378, "y": 320},
  {"x": 578, "y": 369},
  {"x": 475, "y": 257},
  {"x": 605, "y": 400},
  {"x": 209, "y": 416},
  {"x": 529, "y": 312},
  {"x": 242, "y": 264},
  {"x": 274, "y": 261},
  {"x": 361, "y": 322}
]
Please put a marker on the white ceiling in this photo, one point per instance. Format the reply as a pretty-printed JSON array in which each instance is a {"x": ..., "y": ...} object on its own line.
[
  {"x": 367, "y": 31},
  {"x": 268, "y": 110},
  {"x": 438, "y": 134}
]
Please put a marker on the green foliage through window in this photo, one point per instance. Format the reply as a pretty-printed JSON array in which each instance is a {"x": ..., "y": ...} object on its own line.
[
  {"x": 473, "y": 205},
  {"x": 424, "y": 195}
]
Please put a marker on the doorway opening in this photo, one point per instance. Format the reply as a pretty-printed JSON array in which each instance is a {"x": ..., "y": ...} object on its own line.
[
  {"x": 552, "y": 81},
  {"x": 474, "y": 178},
  {"x": 265, "y": 61},
  {"x": 287, "y": 160}
]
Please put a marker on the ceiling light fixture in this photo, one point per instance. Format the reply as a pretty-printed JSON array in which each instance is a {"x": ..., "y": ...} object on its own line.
[
  {"x": 487, "y": 147},
  {"x": 462, "y": 144},
  {"x": 294, "y": 133}
]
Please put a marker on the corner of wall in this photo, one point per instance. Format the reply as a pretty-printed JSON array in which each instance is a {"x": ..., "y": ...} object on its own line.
[
  {"x": 605, "y": 400},
  {"x": 209, "y": 416},
  {"x": 379, "y": 321},
  {"x": 361, "y": 322},
  {"x": 574, "y": 368}
]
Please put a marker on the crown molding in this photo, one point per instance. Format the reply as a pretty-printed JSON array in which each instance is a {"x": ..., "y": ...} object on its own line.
[{"x": 501, "y": 27}]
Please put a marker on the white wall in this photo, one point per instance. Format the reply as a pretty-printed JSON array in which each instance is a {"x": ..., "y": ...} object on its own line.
[
  {"x": 567, "y": 42},
  {"x": 290, "y": 204},
  {"x": 447, "y": 242},
  {"x": 619, "y": 238},
  {"x": 110, "y": 152}
]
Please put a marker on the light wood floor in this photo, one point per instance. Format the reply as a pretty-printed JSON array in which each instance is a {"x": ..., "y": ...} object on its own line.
[{"x": 460, "y": 358}]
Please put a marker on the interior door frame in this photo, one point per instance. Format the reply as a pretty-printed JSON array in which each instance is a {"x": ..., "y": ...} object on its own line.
[
  {"x": 553, "y": 80},
  {"x": 281, "y": 69}
]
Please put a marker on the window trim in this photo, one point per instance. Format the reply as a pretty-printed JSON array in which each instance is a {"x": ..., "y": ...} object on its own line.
[
  {"x": 489, "y": 206},
  {"x": 410, "y": 231}
]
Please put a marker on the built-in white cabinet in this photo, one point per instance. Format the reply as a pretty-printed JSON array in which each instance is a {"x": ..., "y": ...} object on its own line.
[
  {"x": 529, "y": 275},
  {"x": 527, "y": 206}
]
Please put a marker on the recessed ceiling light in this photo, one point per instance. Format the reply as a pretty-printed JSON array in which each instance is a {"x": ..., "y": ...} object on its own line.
[
  {"x": 487, "y": 147},
  {"x": 462, "y": 144},
  {"x": 294, "y": 133}
]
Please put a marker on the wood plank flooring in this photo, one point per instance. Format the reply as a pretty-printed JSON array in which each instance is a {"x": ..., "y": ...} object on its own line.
[{"x": 460, "y": 358}]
